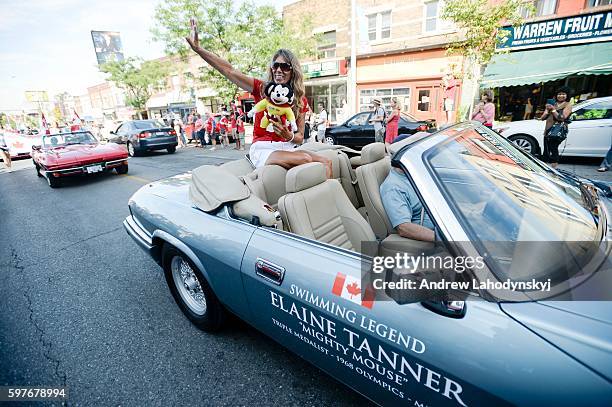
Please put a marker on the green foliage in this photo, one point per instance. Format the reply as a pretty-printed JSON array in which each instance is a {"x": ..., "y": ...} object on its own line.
[
  {"x": 246, "y": 36},
  {"x": 481, "y": 22},
  {"x": 138, "y": 78}
]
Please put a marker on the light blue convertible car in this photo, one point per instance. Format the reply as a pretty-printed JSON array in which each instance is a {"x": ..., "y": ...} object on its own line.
[{"x": 284, "y": 251}]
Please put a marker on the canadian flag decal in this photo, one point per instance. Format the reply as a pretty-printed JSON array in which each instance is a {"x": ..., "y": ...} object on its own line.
[{"x": 349, "y": 287}]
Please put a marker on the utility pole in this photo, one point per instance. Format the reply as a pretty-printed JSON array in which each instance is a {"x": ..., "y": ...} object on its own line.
[{"x": 352, "y": 82}]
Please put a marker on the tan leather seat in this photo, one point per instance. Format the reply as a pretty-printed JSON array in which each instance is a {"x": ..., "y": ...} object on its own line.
[
  {"x": 375, "y": 167},
  {"x": 318, "y": 208},
  {"x": 344, "y": 173},
  {"x": 268, "y": 183}
]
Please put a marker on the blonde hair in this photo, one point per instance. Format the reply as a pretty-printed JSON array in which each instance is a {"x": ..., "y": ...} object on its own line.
[
  {"x": 297, "y": 78},
  {"x": 398, "y": 105}
]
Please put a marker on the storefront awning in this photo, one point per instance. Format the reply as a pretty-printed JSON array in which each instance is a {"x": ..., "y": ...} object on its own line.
[{"x": 543, "y": 65}]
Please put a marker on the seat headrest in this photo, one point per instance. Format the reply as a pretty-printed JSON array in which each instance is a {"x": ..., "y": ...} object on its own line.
[
  {"x": 372, "y": 153},
  {"x": 305, "y": 176}
]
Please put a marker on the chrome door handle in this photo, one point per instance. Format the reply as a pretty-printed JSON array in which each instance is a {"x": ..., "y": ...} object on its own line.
[{"x": 269, "y": 271}]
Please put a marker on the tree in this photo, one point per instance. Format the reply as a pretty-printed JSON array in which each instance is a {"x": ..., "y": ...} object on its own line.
[
  {"x": 137, "y": 78},
  {"x": 480, "y": 22},
  {"x": 247, "y": 36}
]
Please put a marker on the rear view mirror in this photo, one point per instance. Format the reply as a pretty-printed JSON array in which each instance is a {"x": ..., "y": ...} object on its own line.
[
  {"x": 36, "y": 147},
  {"x": 113, "y": 132}
]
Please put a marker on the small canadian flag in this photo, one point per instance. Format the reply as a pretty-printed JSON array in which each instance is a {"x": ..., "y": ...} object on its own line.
[{"x": 349, "y": 287}]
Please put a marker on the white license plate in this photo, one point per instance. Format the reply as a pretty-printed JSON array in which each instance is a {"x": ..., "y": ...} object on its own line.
[
  {"x": 94, "y": 168},
  {"x": 160, "y": 133}
]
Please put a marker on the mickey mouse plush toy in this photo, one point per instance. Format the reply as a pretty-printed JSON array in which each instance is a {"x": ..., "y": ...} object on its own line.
[{"x": 277, "y": 104}]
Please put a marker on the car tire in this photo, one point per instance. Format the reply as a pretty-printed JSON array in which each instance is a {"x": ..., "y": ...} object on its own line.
[
  {"x": 122, "y": 169},
  {"x": 329, "y": 140},
  {"x": 171, "y": 150},
  {"x": 191, "y": 291},
  {"x": 37, "y": 170},
  {"x": 132, "y": 152},
  {"x": 53, "y": 182},
  {"x": 525, "y": 143}
]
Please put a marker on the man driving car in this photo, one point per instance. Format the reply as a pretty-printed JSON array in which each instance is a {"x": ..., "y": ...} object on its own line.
[{"x": 404, "y": 208}]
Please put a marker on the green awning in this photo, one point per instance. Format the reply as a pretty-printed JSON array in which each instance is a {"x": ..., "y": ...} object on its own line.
[{"x": 542, "y": 65}]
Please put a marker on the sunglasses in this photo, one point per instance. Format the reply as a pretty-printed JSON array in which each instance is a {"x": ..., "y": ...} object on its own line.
[{"x": 284, "y": 66}]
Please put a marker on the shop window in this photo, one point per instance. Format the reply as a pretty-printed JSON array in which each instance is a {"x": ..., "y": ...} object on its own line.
[
  {"x": 385, "y": 95},
  {"x": 597, "y": 3},
  {"x": 379, "y": 26},
  {"x": 424, "y": 100},
  {"x": 540, "y": 8},
  {"x": 327, "y": 45},
  {"x": 433, "y": 17}
]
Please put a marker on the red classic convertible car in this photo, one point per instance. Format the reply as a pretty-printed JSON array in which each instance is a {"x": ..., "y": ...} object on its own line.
[{"x": 62, "y": 155}]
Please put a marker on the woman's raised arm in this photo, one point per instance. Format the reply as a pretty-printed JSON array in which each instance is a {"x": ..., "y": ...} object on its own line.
[{"x": 225, "y": 68}]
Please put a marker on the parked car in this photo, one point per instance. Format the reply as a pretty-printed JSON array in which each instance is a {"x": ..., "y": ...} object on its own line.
[
  {"x": 358, "y": 131},
  {"x": 145, "y": 135},
  {"x": 76, "y": 153},
  {"x": 590, "y": 132},
  {"x": 296, "y": 276}
]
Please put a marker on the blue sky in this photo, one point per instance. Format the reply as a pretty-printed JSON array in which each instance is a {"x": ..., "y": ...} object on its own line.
[{"x": 46, "y": 44}]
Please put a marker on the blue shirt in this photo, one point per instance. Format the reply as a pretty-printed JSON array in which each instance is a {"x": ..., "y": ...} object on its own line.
[{"x": 401, "y": 201}]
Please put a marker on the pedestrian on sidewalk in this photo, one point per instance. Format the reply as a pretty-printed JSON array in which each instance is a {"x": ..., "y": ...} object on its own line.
[
  {"x": 189, "y": 128},
  {"x": 199, "y": 132},
  {"x": 240, "y": 131},
  {"x": 210, "y": 130},
  {"x": 485, "y": 109},
  {"x": 321, "y": 122},
  {"x": 392, "y": 123},
  {"x": 449, "y": 85},
  {"x": 5, "y": 153},
  {"x": 528, "y": 109},
  {"x": 307, "y": 132},
  {"x": 555, "y": 131},
  {"x": 378, "y": 119},
  {"x": 224, "y": 129},
  {"x": 177, "y": 125},
  {"x": 606, "y": 164}
]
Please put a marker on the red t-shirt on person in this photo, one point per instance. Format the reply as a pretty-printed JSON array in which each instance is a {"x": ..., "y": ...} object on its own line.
[{"x": 260, "y": 134}]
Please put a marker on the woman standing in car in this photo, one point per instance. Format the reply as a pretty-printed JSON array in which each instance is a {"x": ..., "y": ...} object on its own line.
[
  {"x": 556, "y": 114},
  {"x": 277, "y": 147}
]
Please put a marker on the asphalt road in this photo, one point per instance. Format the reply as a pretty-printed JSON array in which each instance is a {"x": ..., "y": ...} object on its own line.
[{"x": 82, "y": 306}]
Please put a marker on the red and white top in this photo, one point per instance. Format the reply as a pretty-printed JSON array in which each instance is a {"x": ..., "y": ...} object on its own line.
[{"x": 260, "y": 134}]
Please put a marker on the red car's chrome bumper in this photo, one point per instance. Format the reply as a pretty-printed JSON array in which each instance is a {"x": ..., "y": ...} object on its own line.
[{"x": 82, "y": 169}]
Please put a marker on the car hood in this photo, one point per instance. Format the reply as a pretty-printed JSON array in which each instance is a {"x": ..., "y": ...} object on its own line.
[
  {"x": 85, "y": 153},
  {"x": 582, "y": 329}
]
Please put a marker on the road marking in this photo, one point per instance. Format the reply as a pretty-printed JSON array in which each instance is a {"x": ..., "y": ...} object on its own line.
[{"x": 145, "y": 181}]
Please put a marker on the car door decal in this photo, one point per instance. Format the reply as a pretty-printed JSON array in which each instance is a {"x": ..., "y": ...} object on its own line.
[{"x": 370, "y": 356}]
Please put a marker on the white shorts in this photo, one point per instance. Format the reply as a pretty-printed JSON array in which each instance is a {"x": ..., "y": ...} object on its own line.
[{"x": 261, "y": 150}]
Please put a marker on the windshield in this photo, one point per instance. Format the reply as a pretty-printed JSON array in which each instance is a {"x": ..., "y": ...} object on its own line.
[
  {"x": 60, "y": 140},
  {"x": 148, "y": 124},
  {"x": 503, "y": 196}
]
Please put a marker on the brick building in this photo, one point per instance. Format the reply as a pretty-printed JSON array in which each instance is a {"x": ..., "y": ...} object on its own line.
[{"x": 400, "y": 49}]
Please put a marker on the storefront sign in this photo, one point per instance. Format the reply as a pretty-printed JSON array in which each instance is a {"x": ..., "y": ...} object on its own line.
[
  {"x": 575, "y": 29},
  {"x": 316, "y": 70}
]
